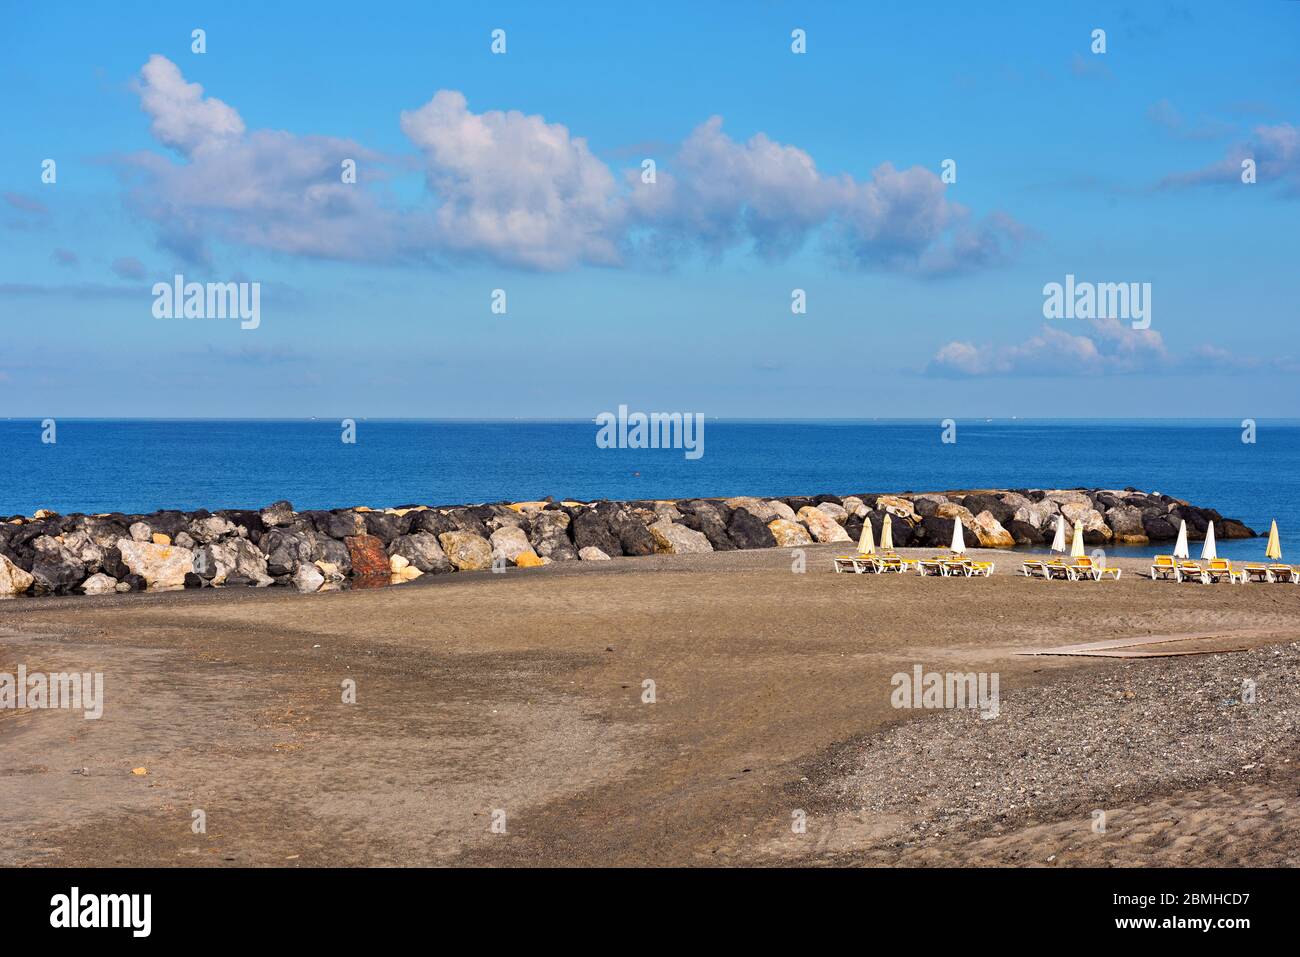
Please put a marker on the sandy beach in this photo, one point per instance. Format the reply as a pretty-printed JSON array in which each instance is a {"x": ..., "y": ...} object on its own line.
[{"x": 772, "y": 698}]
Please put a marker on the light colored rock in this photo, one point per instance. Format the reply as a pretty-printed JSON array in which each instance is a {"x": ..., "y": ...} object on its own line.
[
  {"x": 467, "y": 551},
  {"x": 185, "y": 540},
  {"x": 396, "y": 563},
  {"x": 508, "y": 543},
  {"x": 409, "y": 573},
  {"x": 1068, "y": 498},
  {"x": 13, "y": 580},
  {"x": 789, "y": 534},
  {"x": 838, "y": 512},
  {"x": 139, "y": 532},
  {"x": 673, "y": 539},
  {"x": 99, "y": 584},
  {"x": 898, "y": 507},
  {"x": 235, "y": 556},
  {"x": 955, "y": 511},
  {"x": 211, "y": 528},
  {"x": 667, "y": 511},
  {"x": 763, "y": 511},
  {"x": 41, "y": 513},
  {"x": 990, "y": 532},
  {"x": 530, "y": 559},
  {"x": 158, "y": 538},
  {"x": 528, "y": 508},
  {"x": 307, "y": 578},
  {"x": 855, "y": 506},
  {"x": 821, "y": 526},
  {"x": 1093, "y": 521},
  {"x": 592, "y": 554},
  {"x": 331, "y": 571},
  {"x": 782, "y": 510},
  {"x": 161, "y": 566}
]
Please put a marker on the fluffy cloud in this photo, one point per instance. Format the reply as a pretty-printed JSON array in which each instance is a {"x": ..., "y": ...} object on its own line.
[
  {"x": 513, "y": 186},
  {"x": 1275, "y": 150},
  {"x": 1111, "y": 348},
  {"x": 515, "y": 189}
]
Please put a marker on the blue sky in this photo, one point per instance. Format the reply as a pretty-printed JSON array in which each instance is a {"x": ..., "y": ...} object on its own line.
[{"x": 775, "y": 171}]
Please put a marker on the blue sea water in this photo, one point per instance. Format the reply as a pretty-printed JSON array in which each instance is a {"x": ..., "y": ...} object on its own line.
[{"x": 143, "y": 465}]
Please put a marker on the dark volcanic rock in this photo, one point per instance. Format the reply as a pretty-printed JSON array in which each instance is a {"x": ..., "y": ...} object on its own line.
[
  {"x": 382, "y": 526},
  {"x": 1158, "y": 529},
  {"x": 1023, "y": 532},
  {"x": 746, "y": 531},
  {"x": 432, "y": 521},
  {"x": 591, "y": 530},
  {"x": 703, "y": 517},
  {"x": 422, "y": 550},
  {"x": 988, "y": 503}
]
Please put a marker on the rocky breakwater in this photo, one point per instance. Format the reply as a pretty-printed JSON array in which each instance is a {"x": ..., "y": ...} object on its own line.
[{"x": 317, "y": 551}]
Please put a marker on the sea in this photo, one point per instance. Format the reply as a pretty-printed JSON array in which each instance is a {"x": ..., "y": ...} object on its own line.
[{"x": 96, "y": 465}]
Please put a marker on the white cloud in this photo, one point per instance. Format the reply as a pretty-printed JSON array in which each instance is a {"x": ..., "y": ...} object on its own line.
[
  {"x": 1275, "y": 150},
  {"x": 1112, "y": 348},
  {"x": 515, "y": 189}
]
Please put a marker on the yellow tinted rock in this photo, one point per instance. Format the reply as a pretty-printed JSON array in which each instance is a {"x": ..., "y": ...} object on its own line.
[{"x": 529, "y": 559}]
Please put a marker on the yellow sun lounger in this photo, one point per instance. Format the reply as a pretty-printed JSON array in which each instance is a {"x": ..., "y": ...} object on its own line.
[
  {"x": 1058, "y": 569},
  {"x": 1082, "y": 568},
  {"x": 1219, "y": 569},
  {"x": 1192, "y": 572},
  {"x": 1163, "y": 568},
  {"x": 931, "y": 566},
  {"x": 1283, "y": 573},
  {"x": 1033, "y": 569},
  {"x": 1255, "y": 572},
  {"x": 981, "y": 569},
  {"x": 856, "y": 563},
  {"x": 1110, "y": 572}
]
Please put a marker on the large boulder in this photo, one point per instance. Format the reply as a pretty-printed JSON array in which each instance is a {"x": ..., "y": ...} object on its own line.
[
  {"x": 590, "y": 530},
  {"x": 1024, "y": 533},
  {"x": 789, "y": 534},
  {"x": 550, "y": 536},
  {"x": 205, "y": 530},
  {"x": 234, "y": 557},
  {"x": 278, "y": 514},
  {"x": 591, "y": 553},
  {"x": 673, "y": 539},
  {"x": 711, "y": 522},
  {"x": 895, "y": 505},
  {"x": 981, "y": 502},
  {"x": 508, "y": 543},
  {"x": 432, "y": 521},
  {"x": 161, "y": 566},
  {"x": 343, "y": 524},
  {"x": 747, "y": 530},
  {"x": 99, "y": 584},
  {"x": 467, "y": 551},
  {"x": 287, "y": 548},
  {"x": 990, "y": 531},
  {"x": 761, "y": 510},
  {"x": 1125, "y": 523},
  {"x": 1095, "y": 529},
  {"x": 422, "y": 550},
  {"x": 836, "y": 511},
  {"x": 368, "y": 557},
  {"x": 1158, "y": 528},
  {"x": 307, "y": 578},
  {"x": 383, "y": 526},
  {"x": 821, "y": 526},
  {"x": 633, "y": 536},
  {"x": 13, "y": 580}
]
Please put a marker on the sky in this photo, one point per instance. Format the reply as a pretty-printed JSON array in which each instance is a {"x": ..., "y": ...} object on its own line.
[{"x": 916, "y": 176}]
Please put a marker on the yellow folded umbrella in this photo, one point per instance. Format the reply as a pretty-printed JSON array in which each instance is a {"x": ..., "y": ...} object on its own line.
[
  {"x": 1274, "y": 550},
  {"x": 1076, "y": 547},
  {"x": 867, "y": 543},
  {"x": 887, "y": 533}
]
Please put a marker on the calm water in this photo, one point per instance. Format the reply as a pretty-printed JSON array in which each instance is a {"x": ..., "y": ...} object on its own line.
[{"x": 139, "y": 466}]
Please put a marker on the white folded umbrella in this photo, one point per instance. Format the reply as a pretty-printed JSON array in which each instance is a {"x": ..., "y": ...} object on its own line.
[
  {"x": 1058, "y": 543},
  {"x": 958, "y": 541},
  {"x": 1180, "y": 546},
  {"x": 1208, "y": 552}
]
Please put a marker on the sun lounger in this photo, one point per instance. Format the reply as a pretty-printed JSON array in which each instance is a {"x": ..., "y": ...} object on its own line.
[
  {"x": 1163, "y": 567},
  {"x": 930, "y": 566},
  {"x": 981, "y": 569},
  {"x": 856, "y": 563},
  {"x": 1219, "y": 569},
  {"x": 1058, "y": 570},
  {"x": 1110, "y": 572},
  {"x": 1033, "y": 569},
  {"x": 1253, "y": 572},
  {"x": 1192, "y": 572},
  {"x": 1283, "y": 573},
  {"x": 1082, "y": 568},
  {"x": 957, "y": 566}
]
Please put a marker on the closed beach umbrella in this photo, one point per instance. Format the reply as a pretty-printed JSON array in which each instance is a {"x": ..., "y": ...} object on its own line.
[
  {"x": 1208, "y": 552},
  {"x": 867, "y": 543},
  {"x": 887, "y": 533},
  {"x": 1058, "y": 543},
  {"x": 1274, "y": 546},
  {"x": 958, "y": 542},
  {"x": 1076, "y": 547},
  {"x": 1180, "y": 546}
]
